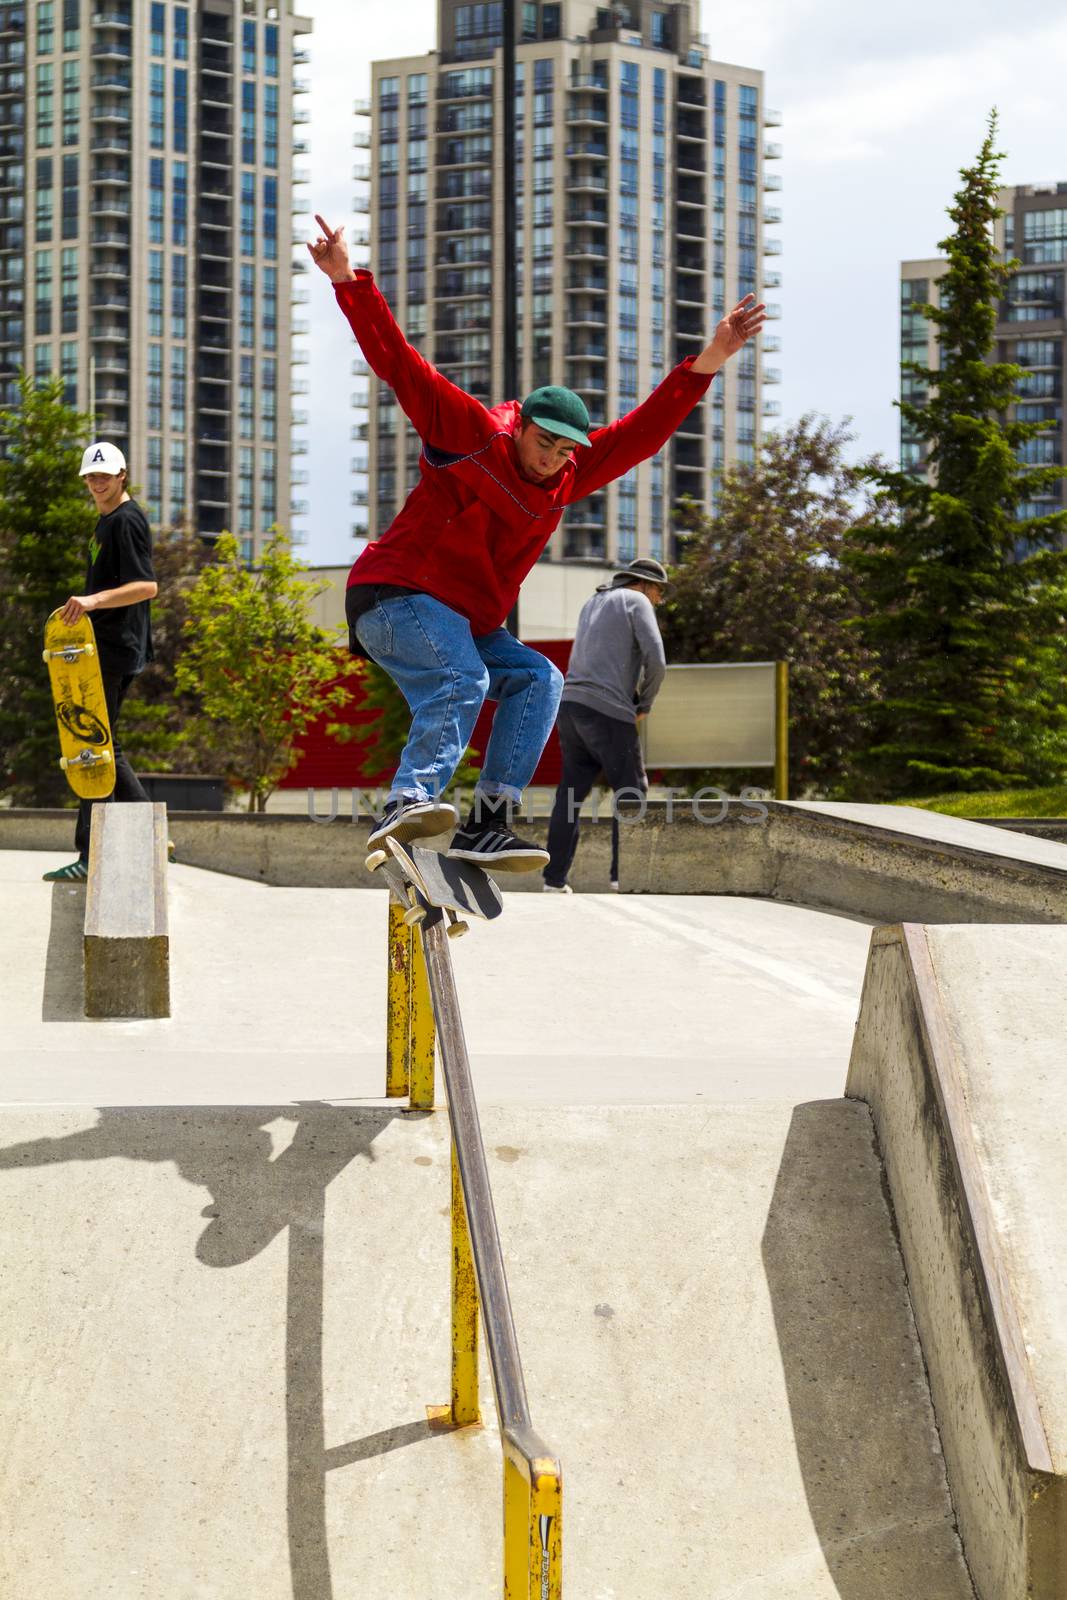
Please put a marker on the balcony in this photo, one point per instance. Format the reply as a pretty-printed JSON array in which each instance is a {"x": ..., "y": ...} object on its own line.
[
  {"x": 112, "y": 269},
  {"x": 111, "y": 143},
  {"x": 111, "y": 175},
  {"x": 119, "y": 81},
  {"x": 112, "y": 19},
  {"x": 590, "y": 316},
  {"x": 112, "y": 333},
  {"x": 589, "y": 215},
  {"x": 361, "y": 108},
  {"x": 772, "y": 375},
  {"x": 586, "y": 80},
  {"x": 582, "y": 249},
  {"x": 691, "y": 127},
  {"x": 594, "y": 149},
  {"x": 587, "y": 283},
  {"x": 110, "y": 113},
  {"x": 361, "y": 139},
  {"x": 771, "y": 119},
  {"x": 111, "y": 300},
  {"x": 772, "y": 181},
  {"x": 579, "y": 116},
  {"x": 772, "y": 152},
  {"x": 114, "y": 50},
  {"x": 772, "y": 214}
]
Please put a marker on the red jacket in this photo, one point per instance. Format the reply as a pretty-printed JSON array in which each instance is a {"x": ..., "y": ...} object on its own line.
[{"x": 472, "y": 527}]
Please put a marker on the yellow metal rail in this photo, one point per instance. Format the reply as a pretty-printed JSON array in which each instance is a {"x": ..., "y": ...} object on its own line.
[{"x": 419, "y": 967}]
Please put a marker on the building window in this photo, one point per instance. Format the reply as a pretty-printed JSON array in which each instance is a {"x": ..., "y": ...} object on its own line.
[
  {"x": 550, "y": 22},
  {"x": 46, "y": 27},
  {"x": 42, "y": 280},
  {"x": 529, "y": 21},
  {"x": 179, "y": 202},
  {"x": 248, "y": 47},
  {"x": 268, "y": 485},
  {"x": 45, "y": 105},
  {"x": 248, "y": 213},
  {"x": 246, "y": 393},
  {"x": 270, "y": 124},
  {"x": 181, "y": 33},
  {"x": 70, "y": 197},
  {"x": 1035, "y": 297},
  {"x": 71, "y": 101},
  {"x": 629, "y": 105},
  {"x": 1044, "y": 236},
  {"x": 155, "y": 387},
  {"x": 248, "y": 306},
  {"x": 155, "y": 200},
  {"x": 181, "y": 108},
  {"x": 157, "y": 115},
  {"x": 270, "y": 218},
  {"x": 177, "y": 395},
  {"x": 42, "y": 363},
  {"x": 269, "y": 317},
  {"x": 68, "y": 371},
  {"x": 179, "y": 287},
  {"x": 159, "y": 28},
  {"x": 155, "y": 294},
  {"x": 270, "y": 50},
  {"x": 71, "y": 19},
  {"x": 479, "y": 28},
  {"x": 248, "y": 123},
  {"x": 68, "y": 290},
  {"x": 45, "y": 195}
]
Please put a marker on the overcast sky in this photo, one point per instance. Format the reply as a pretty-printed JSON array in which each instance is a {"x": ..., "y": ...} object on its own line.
[{"x": 881, "y": 107}]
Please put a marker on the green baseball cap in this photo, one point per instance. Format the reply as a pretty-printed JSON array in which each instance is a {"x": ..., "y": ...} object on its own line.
[{"x": 558, "y": 411}]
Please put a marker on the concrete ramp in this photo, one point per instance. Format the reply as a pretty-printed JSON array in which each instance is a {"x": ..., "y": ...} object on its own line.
[
  {"x": 960, "y": 1054},
  {"x": 221, "y": 1327}
]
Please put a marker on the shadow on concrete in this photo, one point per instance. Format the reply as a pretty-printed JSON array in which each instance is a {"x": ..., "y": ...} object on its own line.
[
  {"x": 229, "y": 1152},
  {"x": 863, "y": 1424},
  {"x": 63, "y": 999}
]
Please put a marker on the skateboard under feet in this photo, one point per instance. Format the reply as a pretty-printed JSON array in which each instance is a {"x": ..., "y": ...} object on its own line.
[{"x": 427, "y": 880}]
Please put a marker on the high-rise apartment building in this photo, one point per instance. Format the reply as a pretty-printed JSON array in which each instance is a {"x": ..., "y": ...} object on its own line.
[
  {"x": 1031, "y": 328},
  {"x": 642, "y": 171},
  {"x": 146, "y": 173}
]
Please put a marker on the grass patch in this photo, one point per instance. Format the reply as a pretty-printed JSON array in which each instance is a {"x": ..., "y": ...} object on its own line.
[{"x": 1048, "y": 802}]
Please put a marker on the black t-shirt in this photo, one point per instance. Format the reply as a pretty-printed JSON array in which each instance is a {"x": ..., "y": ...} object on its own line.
[{"x": 121, "y": 552}]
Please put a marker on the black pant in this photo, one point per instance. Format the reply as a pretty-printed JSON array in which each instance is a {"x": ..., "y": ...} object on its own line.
[
  {"x": 593, "y": 744},
  {"x": 127, "y": 783}
]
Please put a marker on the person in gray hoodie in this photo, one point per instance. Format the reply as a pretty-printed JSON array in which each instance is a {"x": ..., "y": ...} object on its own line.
[{"x": 615, "y": 671}]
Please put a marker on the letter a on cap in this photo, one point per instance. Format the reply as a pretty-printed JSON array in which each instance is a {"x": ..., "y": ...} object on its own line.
[{"x": 98, "y": 455}]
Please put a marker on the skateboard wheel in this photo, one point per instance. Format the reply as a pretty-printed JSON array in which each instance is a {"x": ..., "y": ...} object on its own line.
[
  {"x": 376, "y": 859},
  {"x": 106, "y": 757},
  {"x": 90, "y": 649},
  {"x": 457, "y": 929},
  {"x": 413, "y": 917},
  {"x": 46, "y": 655},
  {"x": 63, "y": 763}
]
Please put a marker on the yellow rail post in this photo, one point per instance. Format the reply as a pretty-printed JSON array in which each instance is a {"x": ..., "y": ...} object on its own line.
[
  {"x": 422, "y": 1035},
  {"x": 464, "y": 1312},
  {"x": 533, "y": 1527},
  {"x": 398, "y": 1005},
  {"x": 781, "y": 730}
]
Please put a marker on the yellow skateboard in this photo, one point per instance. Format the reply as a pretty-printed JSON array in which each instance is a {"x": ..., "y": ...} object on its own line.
[{"x": 88, "y": 757}]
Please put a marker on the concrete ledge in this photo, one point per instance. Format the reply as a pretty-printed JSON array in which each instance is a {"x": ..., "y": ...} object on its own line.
[
  {"x": 884, "y": 863},
  {"x": 127, "y": 946},
  {"x": 958, "y": 1053}
]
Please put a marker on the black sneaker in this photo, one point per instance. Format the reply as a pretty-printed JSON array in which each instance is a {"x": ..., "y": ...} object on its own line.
[
  {"x": 413, "y": 819},
  {"x": 486, "y": 839}
]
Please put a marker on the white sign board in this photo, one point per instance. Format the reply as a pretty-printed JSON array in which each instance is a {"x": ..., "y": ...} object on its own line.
[{"x": 713, "y": 716}]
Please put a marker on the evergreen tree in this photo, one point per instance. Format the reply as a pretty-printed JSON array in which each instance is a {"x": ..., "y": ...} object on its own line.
[
  {"x": 262, "y": 670},
  {"x": 46, "y": 523},
  {"x": 965, "y": 600},
  {"x": 764, "y": 581}
]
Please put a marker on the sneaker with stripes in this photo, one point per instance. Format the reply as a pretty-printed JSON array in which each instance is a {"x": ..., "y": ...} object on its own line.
[{"x": 486, "y": 839}]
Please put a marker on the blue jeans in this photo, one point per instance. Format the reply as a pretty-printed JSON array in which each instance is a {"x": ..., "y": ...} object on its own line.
[{"x": 445, "y": 674}]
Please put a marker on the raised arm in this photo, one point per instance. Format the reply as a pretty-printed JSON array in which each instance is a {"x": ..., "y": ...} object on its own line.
[
  {"x": 441, "y": 414},
  {"x": 645, "y": 430}
]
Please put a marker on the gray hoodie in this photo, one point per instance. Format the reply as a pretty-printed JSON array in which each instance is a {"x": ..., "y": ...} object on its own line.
[{"x": 617, "y": 663}]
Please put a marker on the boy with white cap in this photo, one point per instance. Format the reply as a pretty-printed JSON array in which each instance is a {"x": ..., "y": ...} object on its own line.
[{"x": 119, "y": 584}]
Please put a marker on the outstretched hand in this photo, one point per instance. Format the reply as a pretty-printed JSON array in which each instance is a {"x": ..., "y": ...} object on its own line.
[
  {"x": 735, "y": 330},
  {"x": 330, "y": 252}
]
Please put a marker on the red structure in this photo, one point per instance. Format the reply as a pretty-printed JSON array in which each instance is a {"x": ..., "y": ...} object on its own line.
[{"x": 325, "y": 764}]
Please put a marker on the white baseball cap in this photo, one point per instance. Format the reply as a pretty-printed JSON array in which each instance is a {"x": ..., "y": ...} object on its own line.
[{"x": 103, "y": 457}]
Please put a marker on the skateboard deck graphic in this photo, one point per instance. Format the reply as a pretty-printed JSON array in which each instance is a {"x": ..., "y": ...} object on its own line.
[
  {"x": 88, "y": 756},
  {"x": 427, "y": 880}
]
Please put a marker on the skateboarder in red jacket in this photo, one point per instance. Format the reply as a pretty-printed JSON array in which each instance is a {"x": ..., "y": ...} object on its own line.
[{"x": 427, "y": 601}]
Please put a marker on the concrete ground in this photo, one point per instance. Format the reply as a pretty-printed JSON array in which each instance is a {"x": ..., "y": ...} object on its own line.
[{"x": 225, "y": 1304}]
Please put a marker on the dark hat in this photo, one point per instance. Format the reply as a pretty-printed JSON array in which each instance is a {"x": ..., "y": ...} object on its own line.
[
  {"x": 643, "y": 570},
  {"x": 559, "y": 411}
]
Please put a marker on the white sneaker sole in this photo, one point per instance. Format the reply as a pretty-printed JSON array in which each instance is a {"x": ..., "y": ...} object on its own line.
[
  {"x": 508, "y": 861},
  {"x": 416, "y": 823}
]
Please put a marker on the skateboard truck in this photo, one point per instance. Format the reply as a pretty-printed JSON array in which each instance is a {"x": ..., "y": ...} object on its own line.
[
  {"x": 417, "y": 909},
  {"x": 69, "y": 652}
]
